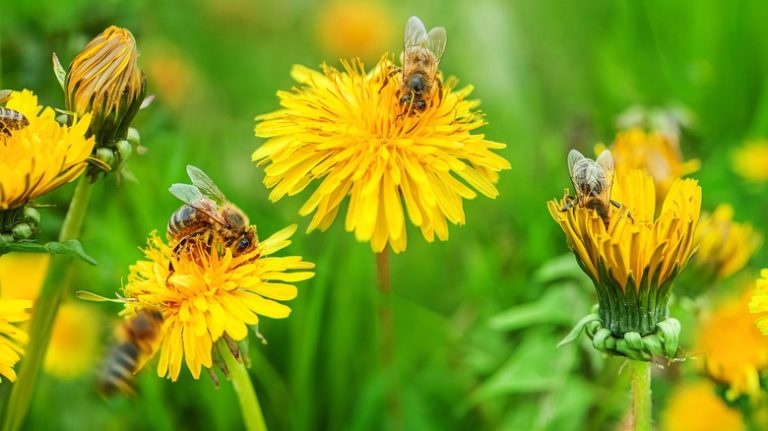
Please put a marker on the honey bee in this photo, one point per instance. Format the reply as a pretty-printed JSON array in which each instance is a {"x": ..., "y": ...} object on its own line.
[
  {"x": 207, "y": 210},
  {"x": 10, "y": 120},
  {"x": 592, "y": 180},
  {"x": 421, "y": 55},
  {"x": 137, "y": 342}
]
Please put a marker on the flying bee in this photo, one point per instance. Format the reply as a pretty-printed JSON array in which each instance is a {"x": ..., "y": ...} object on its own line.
[
  {"x": 421, "y": 55},
  {"x": 137, "y": 339},
  {"x": 592, "y": 180},
  {"x": 206, "y": 211}
]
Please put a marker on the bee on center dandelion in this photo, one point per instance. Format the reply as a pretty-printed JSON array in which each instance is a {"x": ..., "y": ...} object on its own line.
[{"x": 391, "y": 139}]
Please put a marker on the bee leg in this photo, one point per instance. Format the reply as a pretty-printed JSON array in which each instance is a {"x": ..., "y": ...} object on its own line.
[
  {"x": 618, "y": 205},
  {"x": 439, "y": 91},
  {"x": 391, "y": 73},
  {"x": 570, "y": 202}
]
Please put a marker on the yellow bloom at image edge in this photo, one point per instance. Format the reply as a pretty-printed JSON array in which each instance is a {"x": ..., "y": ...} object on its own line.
[
  {"x": 759, "y": 302},
  {"x": 696, "y": 407},
  {"x": 11, "y": 337},
  {"x": 210, "y": 294},
  {"x": 41, "y": 156},
  {"x": 346, "y": 129}
]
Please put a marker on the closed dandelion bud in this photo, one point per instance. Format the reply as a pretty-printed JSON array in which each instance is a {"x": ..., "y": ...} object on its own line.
[
  {"x": 6, "y": 238},
  {"x": 124, "y": 150},
  {"x": 104, "y": 79},
  {"x": 133, "y": 136},
  {"x": 632, "y": 257}
]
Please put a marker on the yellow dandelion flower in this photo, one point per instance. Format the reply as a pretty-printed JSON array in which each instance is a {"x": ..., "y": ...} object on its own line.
[
  {"x": 22, "y": 274},
  {"x": 12, "y": 311},
  {"x": 696, "y": 407},
  {"x": 724, "y": 246},
  {"x": 349, "y": 29},
  {"x": 209, "y": 294},
  {"x": 653, "y": 152},
  {"x": 104, "y": 79},
  {"x": 41, "y": 156},
  {"x": 633, "y": 260},
  {"x": 759, "y": 303},
  {"x": 750, "y": 161},
  {"x": 733, "y": 349},
  {"x": 345, "y": 128},
  {"x": 74, "y": 346}
]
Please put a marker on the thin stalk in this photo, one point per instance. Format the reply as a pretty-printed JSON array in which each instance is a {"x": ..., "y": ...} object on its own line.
[
  {"x": 44, "y": 313},
  {"x": 388, "y": 335},
  {"x": 641, "y": 395},
  {"x": 246, "y": 395}
]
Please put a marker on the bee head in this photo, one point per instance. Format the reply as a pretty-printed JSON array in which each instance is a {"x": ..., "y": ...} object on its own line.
[
  {"x": 246, "y": 241},
  {"x": 417, "y": 83}
]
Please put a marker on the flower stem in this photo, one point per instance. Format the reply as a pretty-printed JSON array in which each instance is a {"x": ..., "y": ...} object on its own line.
[
  {"x": 44, "y": 312},
  {"x": 641, "y": 395},
  {"x": 246, "y": 395},
  {"x": 388, "y": 334}
]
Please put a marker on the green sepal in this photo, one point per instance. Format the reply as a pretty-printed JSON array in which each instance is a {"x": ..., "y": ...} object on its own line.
[
  {"x": 576, "y": 331},
  {"x": 58, "y": 70},
  {"x": 71, "y": 247}
]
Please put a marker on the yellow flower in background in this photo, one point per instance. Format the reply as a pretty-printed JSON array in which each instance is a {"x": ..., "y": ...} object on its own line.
[
  {"x": 171, "y": 75},
  {"x": 22, "y": 274},
  {"x": 733, "y": 350},
  {"x": 653, "y": 152},
  {"x": 41, "y": 156},
  {"x": 724, "y": 246},
  {"x": 696, "y": 407},
  {"x": 104, "y": 79},
  {"x": 354, "y": 29},
  {"x": 208, "y": 295},
  {"x": 750, "y": 161},
  {"x": 636, "y": 255},
  {"x": 759, "y": 303},
  {"x": 12, "y": 311},
  {"x": 345, "y": 129},
  {"x": 74, "y": 347}
]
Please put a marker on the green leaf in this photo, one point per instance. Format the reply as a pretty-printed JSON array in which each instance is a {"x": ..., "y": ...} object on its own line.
[
  {"x": 58, "y": 70},
  {"x": 559, "y": 305},
  {"x": 71, "y": 247}
]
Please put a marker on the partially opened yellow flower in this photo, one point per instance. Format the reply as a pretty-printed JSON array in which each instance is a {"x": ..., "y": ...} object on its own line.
[
  {"x": 750, "y": 161},
  {"x": 207, "y": 295},
  {"x": 724, "y": 246},
  {"x": 633, "y": 260},
  {"x": 74, "y": 346},
  {"x": 734, "y": 352},
  {"x": 346, "y": 130},
  {"x": 696, "y": 407},
  {"x": 12, "y": 311},
  {"x": 41, "y": 156},
  {"x": 654, "y": 153}
]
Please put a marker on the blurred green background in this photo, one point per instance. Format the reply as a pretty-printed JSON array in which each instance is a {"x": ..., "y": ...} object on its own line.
[{"x": 477, "y": 317}]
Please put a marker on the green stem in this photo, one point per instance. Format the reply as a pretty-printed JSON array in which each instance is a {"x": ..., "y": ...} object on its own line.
[
  {"x": 641, "y": 395},
  {"x": 44, "y": 314},
  {"x": 246, "y": 395},
  {"x": 388, "y": 336}
]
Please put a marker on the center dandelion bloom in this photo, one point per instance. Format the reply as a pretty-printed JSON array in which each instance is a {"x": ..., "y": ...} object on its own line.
[
  {"x": 209, "y": 294},
  {"x": 633, "y": 260},
  {"x": 11, "y": 337},
  {"x": 346, "y": 129},
  {"x": 653, "y": 152},
  {"x": 41, "y": 156},
  {"x": 735, "y": 353}
]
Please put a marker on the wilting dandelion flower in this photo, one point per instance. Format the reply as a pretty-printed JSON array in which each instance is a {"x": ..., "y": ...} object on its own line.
[
  {"x": 750, "y": 161},
  {"x": 633, "y": 260},
  {"x": 74, "y": 346},
  {"x": 696, "y": 407},
  {"x": 346, "y": 129},
  {"x": 733, "y": 350},
  {"x": 42, "y": 155},
  {"x": 349, "y": 29},
  {"x": 724, "y": 246},
  {"x": 653, "y": 152},
  {"x": 206, "y": 293},
  {"x": 12, "y": 311}
]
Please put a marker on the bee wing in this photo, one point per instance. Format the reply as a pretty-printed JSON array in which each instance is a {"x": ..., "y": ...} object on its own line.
[
  {"x": 574, "y": 157},
  {"x": 205, "y": 184},
  {"x": 415, "y": 33},
  {"x": 436, "y": 39},
  {"x": 605, "y": 160},
  {"x": 192, "y": 196}
]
